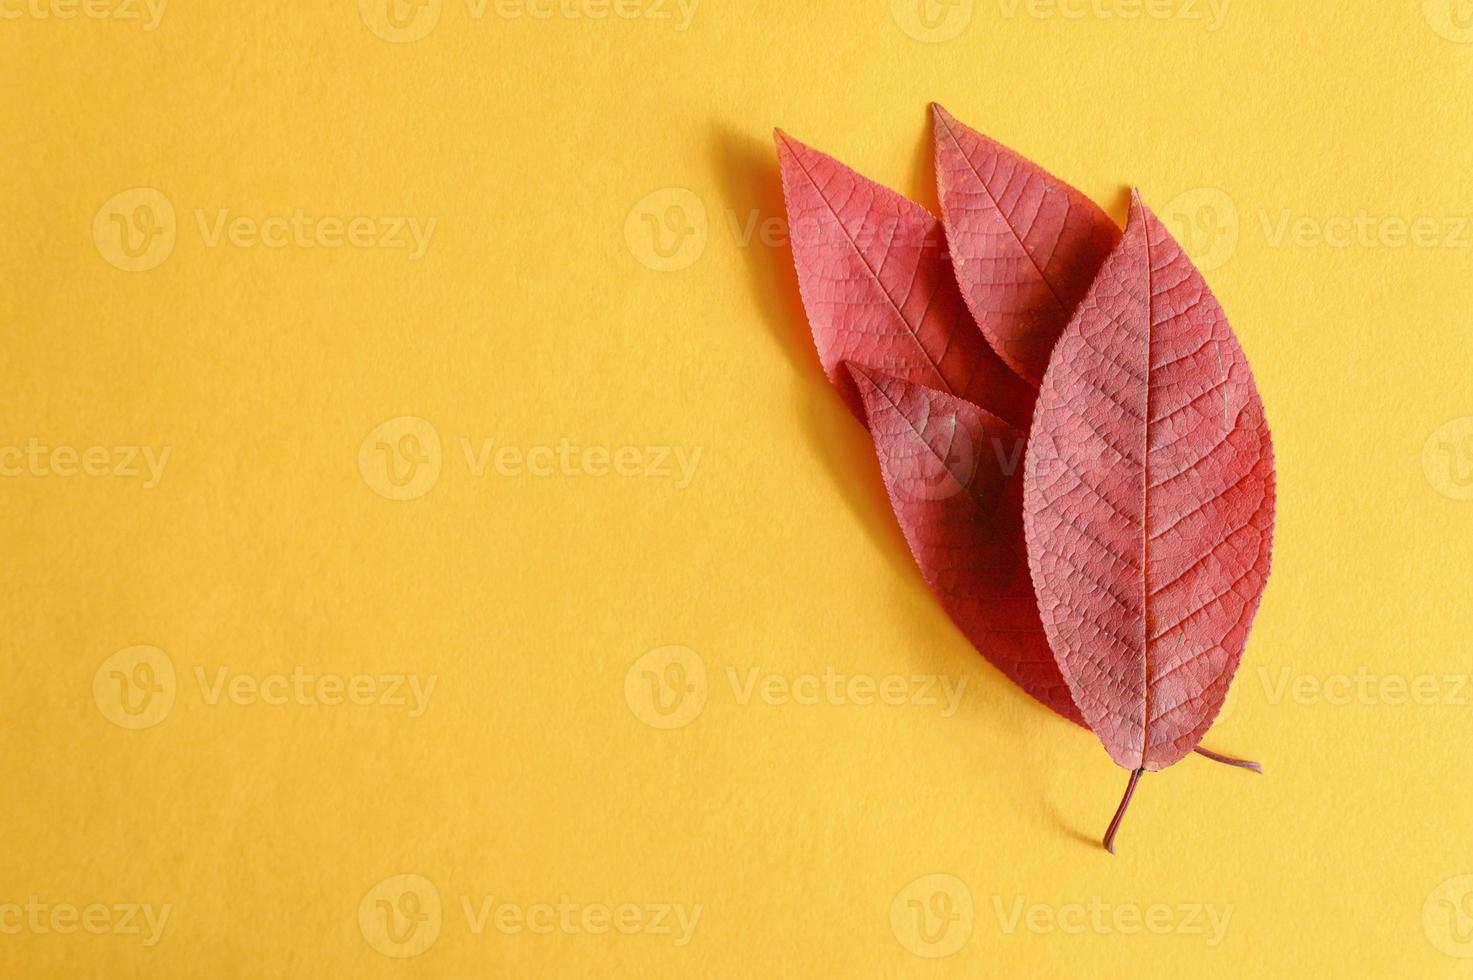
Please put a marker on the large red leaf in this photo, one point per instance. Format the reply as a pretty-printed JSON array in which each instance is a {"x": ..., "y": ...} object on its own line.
[
  {"x": 879, "y": 291},
  {"x": 1026, "y": 245},
  {"x": 954, "y": 474},
  {"x": 1149, "y": 501}
]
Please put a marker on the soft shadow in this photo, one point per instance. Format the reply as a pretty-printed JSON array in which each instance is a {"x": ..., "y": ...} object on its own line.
[
  {"x": 1119, "y": 207},
  {"x": 752, "y": 195},
  {"x": 921, "y": 187},
  {"x": 751, "y": 188}
]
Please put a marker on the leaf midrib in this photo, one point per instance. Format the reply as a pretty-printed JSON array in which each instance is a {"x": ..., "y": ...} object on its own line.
[{"x": 874, "y": 274}]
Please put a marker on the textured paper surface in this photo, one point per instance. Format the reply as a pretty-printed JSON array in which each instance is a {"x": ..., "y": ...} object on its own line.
[{"x": 635, "y": 698}]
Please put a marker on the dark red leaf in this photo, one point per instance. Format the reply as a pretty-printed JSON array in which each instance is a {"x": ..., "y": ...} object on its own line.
[{"x": 955, "y": 478}]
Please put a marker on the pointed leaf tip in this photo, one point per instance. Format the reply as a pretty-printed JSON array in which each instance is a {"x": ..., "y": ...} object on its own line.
[
  {"x": 877, "y": 286},
  {"x": 1025, "y": 245}
]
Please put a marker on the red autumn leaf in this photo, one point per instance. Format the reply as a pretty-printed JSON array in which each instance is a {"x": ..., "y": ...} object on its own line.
[
  {"x": 954, "y": 474},
  {"x": 1149, "y": 502},
  {"x": 879, "y": 291},
  {"x": 1026, "y": 245}
]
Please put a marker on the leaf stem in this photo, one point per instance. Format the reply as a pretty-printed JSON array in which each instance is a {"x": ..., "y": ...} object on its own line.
[
  {"x": 1228, "y": 760},
  {"x": 1135, "y": 777}
]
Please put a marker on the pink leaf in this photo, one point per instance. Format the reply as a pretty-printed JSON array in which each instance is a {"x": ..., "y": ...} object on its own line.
[
  {"x": 1026, "y": 246},
  {"x": 879, "y": 291},
  {"x": 1149, "y": 501}
]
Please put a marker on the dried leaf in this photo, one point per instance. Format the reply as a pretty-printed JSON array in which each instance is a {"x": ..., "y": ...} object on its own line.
[
  {"x": 879, "y": 291},
  {"x": 1026, "y": 246},
  {"x": 954, "y": 474},
  {"x": 1149, "y": 502}
]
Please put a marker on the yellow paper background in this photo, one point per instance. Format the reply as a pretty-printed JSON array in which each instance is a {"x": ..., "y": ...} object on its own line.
[{"x": 543, "y": 314}]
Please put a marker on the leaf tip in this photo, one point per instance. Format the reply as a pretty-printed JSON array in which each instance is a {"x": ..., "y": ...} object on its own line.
[{"x": 859, "y": 374}]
